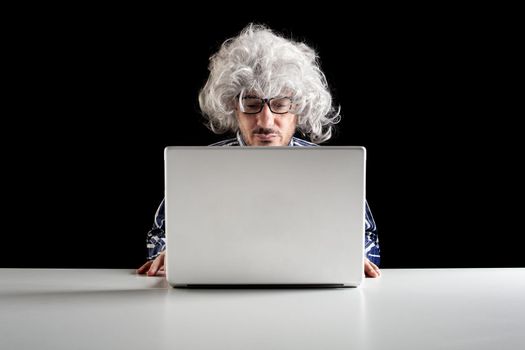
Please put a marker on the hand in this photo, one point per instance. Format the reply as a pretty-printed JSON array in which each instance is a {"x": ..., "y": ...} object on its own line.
[
  {"x": 154, "y": 267},
  {"x": 371, "y": 269}
]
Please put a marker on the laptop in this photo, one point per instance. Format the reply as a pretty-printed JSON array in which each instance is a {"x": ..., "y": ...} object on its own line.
[{"x": 265, "y": 216}]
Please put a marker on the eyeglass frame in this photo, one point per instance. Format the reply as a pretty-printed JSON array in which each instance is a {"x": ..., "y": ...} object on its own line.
[{"x": 267, "y": 102}]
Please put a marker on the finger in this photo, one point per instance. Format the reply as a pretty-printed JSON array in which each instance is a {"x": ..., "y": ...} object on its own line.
[
  {"x": 374, "y": 266},
  {"x": 154, "y": 267},
  {"x": 369, "y": 270},
  {"x": 141, "y": 270},
  {"x": 378, "y": 271},
  {"x": 157, "y": 263}
]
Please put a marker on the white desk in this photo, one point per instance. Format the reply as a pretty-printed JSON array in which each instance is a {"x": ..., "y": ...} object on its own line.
[{"x": 404, "y": 309}]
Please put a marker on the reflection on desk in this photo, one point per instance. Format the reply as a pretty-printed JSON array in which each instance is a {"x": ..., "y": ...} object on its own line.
[{"x": 404, "y": 309}]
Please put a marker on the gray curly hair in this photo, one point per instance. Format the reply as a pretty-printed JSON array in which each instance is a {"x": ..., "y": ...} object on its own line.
[{"x": 259, "y": 61}]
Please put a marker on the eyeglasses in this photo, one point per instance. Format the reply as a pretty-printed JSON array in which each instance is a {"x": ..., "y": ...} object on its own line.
[{"x": 254, "y": 105}]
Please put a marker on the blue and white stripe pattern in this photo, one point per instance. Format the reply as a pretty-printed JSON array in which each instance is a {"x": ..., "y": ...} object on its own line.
[{"x": 156, "y": 239}]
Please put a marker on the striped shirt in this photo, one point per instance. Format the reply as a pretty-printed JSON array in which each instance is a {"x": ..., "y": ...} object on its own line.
[{"x": 156, "y": 238}]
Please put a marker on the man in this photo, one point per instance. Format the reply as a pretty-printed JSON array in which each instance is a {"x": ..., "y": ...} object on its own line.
[{"x": 265, "y": 88}]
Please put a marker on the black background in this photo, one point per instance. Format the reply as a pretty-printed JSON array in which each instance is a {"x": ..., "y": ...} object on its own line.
[{"x": 93, "y": 100}]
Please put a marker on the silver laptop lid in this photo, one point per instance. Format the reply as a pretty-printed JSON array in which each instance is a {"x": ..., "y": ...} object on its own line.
[{"x": 265, "y": 215}]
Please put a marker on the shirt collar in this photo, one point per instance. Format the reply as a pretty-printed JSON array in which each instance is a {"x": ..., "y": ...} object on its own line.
[
  {"x": 239, "y": 138},
  {"x": 242, "y": 143}
]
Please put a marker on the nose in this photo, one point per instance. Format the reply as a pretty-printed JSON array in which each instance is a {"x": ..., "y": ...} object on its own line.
[{"x": 265, "y": 118}]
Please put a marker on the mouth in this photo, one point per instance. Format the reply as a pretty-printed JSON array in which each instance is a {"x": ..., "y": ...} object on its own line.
[{"x": 265, "y": 137}]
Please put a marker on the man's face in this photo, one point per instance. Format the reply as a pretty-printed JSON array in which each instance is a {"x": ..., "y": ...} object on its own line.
[{"x": 266, "y": 128}]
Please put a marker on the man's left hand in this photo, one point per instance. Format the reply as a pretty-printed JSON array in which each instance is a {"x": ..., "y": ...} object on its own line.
[{"x": 371, "y": 269}]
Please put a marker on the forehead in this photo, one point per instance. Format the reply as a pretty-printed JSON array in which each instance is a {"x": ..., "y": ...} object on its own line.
[
  {"x": 260, "y": 94},
  {"x": 264, "y": 97}
]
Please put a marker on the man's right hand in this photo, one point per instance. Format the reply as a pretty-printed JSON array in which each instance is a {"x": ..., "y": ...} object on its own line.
[{"x": 154, "y": 267}]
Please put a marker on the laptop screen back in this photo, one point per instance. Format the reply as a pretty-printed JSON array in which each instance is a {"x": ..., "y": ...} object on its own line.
[{"x": 265, "y": 215}]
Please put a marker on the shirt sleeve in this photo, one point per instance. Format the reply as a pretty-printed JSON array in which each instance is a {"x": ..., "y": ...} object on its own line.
[
  {"x": 372, "y": 250},
  {"x": 156, "y": 238}
]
